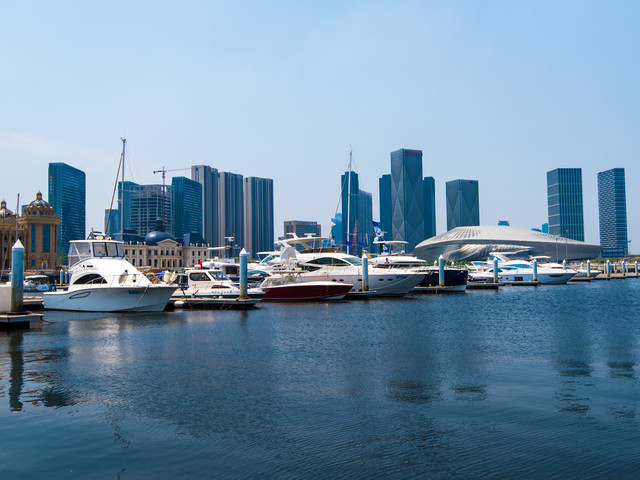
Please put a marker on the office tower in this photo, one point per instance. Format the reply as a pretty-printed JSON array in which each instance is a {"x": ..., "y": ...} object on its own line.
[
  {"x": 258, "y": 215},
  {"x": 612, "y": 208},
  {"x": 187, "y": 206},
  {"x": 209, "y": 178},
  {"x": 385, "y": 205},
  {"x": 150, "y": 205},
  {"x": 429, "y": 194},
  {"x": 230, "y": 210},
  {"x": 365, "y": 219},
  {"x": 67, "y": 196},
  {"x": 350, "y": 189},
  {"x": 302, "y": 228},
  {"x": 407, "y": 200},
  {"x": 564, "y": 194},
  {"x": 462, "y": 203},
  {"x": 111, "y": 222}
]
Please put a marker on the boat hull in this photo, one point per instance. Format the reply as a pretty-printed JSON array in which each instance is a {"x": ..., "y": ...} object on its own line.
[
  {"x": 153, "y": 298},
  {"x": 306, "y": 291},
  {"x": 559, "y": 278},
  {"x": 453, "y": 277}
]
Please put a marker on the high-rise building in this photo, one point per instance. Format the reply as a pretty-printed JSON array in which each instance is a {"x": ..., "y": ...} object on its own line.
[
  {"x": 463, "y": 209},
  {"x": 612, "y": 208},
  {"x": 67, "y": 196},
  {"x": 429, "y": 194},
  {"x": 258, "y": 215},
  {"x": 365, "y": 219},
  {"x": 385, "y": 205},
  {"x": 407, "y": 199},
  {"x": 150, "y": 204},
  {"x": 187, "y": 206},
  {"x": 209, "y": 178},
  {"x": 230, "y": 210},
  {"x": 564, "y": 194},
  {"x": 350, "y": 188},
  {"x": 302, "y": 228},
  {"x": 111, "y": 222}
]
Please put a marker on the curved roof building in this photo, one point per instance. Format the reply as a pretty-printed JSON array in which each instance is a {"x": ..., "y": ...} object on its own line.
[{"x": 476, "y": 243}]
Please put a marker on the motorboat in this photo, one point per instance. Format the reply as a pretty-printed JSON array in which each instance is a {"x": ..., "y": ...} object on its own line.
[
  {"x": 207, "y": 284},
  {"x": 289, "y": 286},
  {"x": 522, "y": 271},
  {"x": 231, "y": 268},
  {"x": 36, "y": 283},
  {"x": 455, "y": 279},
  {"x": 101, "y": 280}
]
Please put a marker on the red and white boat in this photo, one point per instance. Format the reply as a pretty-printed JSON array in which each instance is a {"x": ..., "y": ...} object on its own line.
[{"x": 289, "y": 286}]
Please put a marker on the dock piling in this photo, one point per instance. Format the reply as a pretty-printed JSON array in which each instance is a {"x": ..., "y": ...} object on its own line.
[
  {"x": 17, "y": 277},
  {"x": 365, "y": 273},
  {"x": 243, "y": 274}
]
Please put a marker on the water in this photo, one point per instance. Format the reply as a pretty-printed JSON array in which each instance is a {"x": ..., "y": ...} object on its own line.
[{"x": 522, "y": 382}]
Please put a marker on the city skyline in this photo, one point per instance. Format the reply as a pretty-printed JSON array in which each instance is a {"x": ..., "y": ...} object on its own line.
[{"x": 500, "y": 93}]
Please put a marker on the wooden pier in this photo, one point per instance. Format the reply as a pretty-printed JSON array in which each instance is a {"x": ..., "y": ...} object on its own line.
[{"x": 20, "y": 320}]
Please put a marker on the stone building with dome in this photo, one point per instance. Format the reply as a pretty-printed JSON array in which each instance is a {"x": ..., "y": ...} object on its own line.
[{"x": 38, "y": 232}]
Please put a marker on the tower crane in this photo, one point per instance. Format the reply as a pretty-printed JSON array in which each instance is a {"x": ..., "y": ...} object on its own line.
[{"x": 164, "y": 172}]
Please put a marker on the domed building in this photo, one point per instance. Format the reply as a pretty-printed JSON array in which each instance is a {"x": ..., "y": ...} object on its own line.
[{"x": 38, "y": 232}]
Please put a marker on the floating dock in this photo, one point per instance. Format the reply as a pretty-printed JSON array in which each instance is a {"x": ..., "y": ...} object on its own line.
[
  {"x": 18, "y": 320},
  {"x": 484, "y": 286},
  {"x": 212, "y": 303},
  {"x": 443, "y": 289},
  {"x": 522, "y": 283},
  {"x": 360, "y": 294}
]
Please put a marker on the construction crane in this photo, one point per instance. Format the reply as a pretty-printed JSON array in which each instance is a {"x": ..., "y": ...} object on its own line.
[{"x": 164, "y": 172}]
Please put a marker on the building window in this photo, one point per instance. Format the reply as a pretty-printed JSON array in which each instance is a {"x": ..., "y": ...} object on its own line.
[
  {"x": 46, "y": 238},
  {"x": 33, "y": 238}
]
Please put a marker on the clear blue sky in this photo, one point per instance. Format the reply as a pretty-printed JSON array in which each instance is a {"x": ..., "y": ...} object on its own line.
[{"x": 498, "y": 91}]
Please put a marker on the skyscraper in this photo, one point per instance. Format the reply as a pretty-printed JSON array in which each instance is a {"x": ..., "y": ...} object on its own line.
[
  {"x": 150, "y": 204},
  {"x": 258, "y": 215},
  {"x": 385, "y": 205},
  {"x": 429, "y": 193},
  {"x": 350, "y": 188},
  {"x": 230, "y": 209},
  {"x": 564, "y": 194},
  {"x": 302, "y": 228},
  {"x": 365, "y": 218},
  {"x": 463, "y": 209},
  {"x": 187, "y": 206},
  {"x": 612, "y": 208},
  {"x": 67, "y": 196},
  {"x": 407, "y": 199},
  {"x": 209, "y": 178}
]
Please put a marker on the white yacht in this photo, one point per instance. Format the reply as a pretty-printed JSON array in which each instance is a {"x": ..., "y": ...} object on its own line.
[
  {"x": 208, "y": 283},
  {"x": 101, "y": 280},
  {"x": 522, "y": 271}
]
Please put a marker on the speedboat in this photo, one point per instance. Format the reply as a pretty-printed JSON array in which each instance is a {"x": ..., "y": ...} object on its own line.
[
  {"x": 36, "y": 283},
  {"x": 522, "y": 271},
  {"x": 208, "y": 284},
  {"x": 289, "y": 286},
  {"x": 101, "y": 280}
]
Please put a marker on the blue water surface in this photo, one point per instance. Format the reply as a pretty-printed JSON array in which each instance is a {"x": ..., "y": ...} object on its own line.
[{"x": 524, "y": 382}]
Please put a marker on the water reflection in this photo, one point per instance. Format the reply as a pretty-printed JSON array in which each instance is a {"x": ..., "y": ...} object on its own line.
[{"x": 16, "y": 370}]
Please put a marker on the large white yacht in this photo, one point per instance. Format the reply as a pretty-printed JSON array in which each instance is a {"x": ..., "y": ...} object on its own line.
[
  {"x": 522, "y": 270},
  {"x": 101, "y": 280}
]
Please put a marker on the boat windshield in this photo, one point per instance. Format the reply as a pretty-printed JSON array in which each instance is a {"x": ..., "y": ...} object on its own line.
[
  {"x": 353, "y": 260},
  {"x": 82, "y": 250}
]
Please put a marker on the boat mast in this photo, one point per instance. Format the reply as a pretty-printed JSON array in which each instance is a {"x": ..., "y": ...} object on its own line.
[{"x": 124, "y": 141}]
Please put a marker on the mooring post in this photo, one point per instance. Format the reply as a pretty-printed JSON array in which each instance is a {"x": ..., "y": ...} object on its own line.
[
  {"x": 535, "y": 270},
  {"x": 17, "y": 277},
  {"x": 365, "y": 273},
  {"x": 608, "y": 267},
  {"x": 564, "y": 264},
  {"x": 61, "y": 276},
  {"x": 624, "y": 268},
  {"x": 243, "y": 274},
  {"x": 495, "y": 270},
  {"x": 588, "y": 268},
  {"x": 441, "y": 271}
]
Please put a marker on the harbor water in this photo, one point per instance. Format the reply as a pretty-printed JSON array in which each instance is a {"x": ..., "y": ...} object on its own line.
[{"x": 523, "y": 382}]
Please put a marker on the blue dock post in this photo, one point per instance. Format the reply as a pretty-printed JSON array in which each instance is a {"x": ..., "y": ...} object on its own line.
[
  {"x": 441, "y": 271},
  {"x": 624, "y": 268},
  {"x": 243, "y": 273},
  {"x": 495, "y": 270},
  {"x": 365, "y": 273},
  {"x": 608, "y": 267},
  {"x": 588, "y": 268},
  {"x": 535, "y": 270},
  {"x": 61, "y": 276},
  {"x": 564, "y": 264},
  {"x": 17, "y": 277}
]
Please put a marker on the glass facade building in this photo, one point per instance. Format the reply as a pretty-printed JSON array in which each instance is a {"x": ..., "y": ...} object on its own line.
[
  {"x": 67, "y": 196},
  {"x": 350, "y": 189},
  {"x": 209, "y": 178},
  {"x": 407, "y": 200},
  {"x": 429, "y": 194},
  {"x": 230, "y": 210},
  {"x": 612, "y": 210},
  {"x": 302, "y": 228},
  {"x": 258, "y": 215},
  {"x": 463, "y": 203},
  {"x": 187, "y": 206},
  {"x": 564, "y": 193},
  {"x": 365, "y": 218},
  {"x": 385, "y": 205}
]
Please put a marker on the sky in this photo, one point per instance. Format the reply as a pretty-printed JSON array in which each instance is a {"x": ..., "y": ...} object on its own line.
[{"x": 496, "y": 91}]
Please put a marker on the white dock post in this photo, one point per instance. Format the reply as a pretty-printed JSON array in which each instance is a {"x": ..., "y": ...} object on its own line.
[
  {"x": 243, "y": 274},
  {"x": 564, "y": 264},
  {"x": 608, "y": 267},
  {"x": 17, "y": 277},
  {"x": 365, "y": 273},
  {"x": 535, "y": 270}
]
